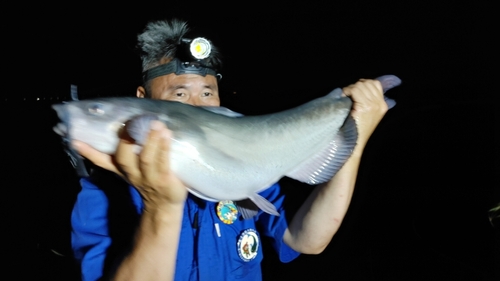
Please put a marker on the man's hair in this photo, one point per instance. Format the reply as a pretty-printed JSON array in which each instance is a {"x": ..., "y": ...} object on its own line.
[{"x": 163, "y": 39}]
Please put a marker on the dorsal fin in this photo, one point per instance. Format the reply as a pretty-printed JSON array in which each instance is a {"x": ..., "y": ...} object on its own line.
[{"x": 323, "y": 166}]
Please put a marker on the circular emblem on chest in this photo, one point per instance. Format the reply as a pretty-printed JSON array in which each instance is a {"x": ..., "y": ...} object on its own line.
[
  {"x": 248, "y": 245},
  {"x": 227, "y": 211}
]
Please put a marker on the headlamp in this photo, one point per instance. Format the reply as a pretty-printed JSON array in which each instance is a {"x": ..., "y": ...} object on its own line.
[
  {"x": 200, "y": 48},
  {"x": 193, "y": 63}
]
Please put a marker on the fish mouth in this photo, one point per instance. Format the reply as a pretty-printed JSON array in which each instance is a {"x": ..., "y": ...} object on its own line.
[{"x": 62, "y": 128}]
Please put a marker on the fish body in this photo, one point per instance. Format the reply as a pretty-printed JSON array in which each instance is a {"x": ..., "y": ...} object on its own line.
[{"x": 218, "y": 154}]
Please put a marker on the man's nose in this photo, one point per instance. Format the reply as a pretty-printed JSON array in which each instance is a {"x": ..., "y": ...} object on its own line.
[{"x": 193, "y": 100}]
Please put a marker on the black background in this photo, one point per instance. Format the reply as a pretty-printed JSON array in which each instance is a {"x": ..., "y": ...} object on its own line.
[{"x": 429, "y": 174}]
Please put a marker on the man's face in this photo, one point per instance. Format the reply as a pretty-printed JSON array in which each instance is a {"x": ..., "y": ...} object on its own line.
[{"x": 192, "y": 89}]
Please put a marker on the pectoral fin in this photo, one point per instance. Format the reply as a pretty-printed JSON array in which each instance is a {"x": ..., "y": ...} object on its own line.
[
  {"x": 323, "y": 166},
  {"x": 77, "y": 161}
]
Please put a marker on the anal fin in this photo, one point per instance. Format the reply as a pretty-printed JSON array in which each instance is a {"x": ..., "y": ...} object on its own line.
[{"x": 323, "y": 166}]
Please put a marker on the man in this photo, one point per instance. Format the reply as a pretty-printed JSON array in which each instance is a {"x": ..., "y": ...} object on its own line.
[{"x": 179, "y": 236}]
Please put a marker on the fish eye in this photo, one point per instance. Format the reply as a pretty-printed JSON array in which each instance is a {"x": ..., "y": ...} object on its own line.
[{"x": 96, "y": 109}]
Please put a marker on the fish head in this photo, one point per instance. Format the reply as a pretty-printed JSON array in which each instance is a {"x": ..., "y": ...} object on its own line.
[{"x": 95, "y": 122}]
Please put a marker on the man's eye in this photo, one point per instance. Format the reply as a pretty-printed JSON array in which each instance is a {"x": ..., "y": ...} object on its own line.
[
  {"x": 179, "y": 94},
  {"x": 207, "y": 94}
]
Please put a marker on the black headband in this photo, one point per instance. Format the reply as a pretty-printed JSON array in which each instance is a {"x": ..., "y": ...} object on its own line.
[{"x": 178, "y": 67}]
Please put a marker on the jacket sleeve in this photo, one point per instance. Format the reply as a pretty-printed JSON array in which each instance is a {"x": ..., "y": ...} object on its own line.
[
  {"x": 103, "y": 222},
  {"x": 275, "y": 226}
]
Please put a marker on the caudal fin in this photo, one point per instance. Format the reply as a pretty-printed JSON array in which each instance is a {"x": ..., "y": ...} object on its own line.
[{"x": 388, "y": 82}]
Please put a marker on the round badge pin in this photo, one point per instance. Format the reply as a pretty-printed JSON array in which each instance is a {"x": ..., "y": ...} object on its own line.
[
  {"x": 248, "y": 245},
  {"x": 227, "y": 211},
  {"x": 200, "y": 48}
]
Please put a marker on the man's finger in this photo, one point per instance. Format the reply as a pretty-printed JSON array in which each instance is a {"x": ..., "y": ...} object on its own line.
[
  {"x": 126, "y": 159},
  {"x": 150, "y": 150},
  {"x": 164, "y": 152},
  {"x": 364, "y": 90},
  {"x": 375, "y": 87}
]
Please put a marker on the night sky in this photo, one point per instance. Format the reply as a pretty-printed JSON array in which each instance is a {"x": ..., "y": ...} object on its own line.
[{"x": 428, "y": 176}]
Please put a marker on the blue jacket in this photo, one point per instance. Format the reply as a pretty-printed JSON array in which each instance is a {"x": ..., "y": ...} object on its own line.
[{"x": 106, "y": 215}]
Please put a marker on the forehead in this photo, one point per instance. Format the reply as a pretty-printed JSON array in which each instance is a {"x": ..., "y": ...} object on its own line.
[{"x": 187, "y": 81}]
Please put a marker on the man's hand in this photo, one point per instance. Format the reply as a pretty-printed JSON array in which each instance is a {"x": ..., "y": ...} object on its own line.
[
  {"x": 321, "y": 215},
  {"x": 155, "y": 248},
  {"x": 149, "y": 172},
  {"x": 369, "y": 106}
]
